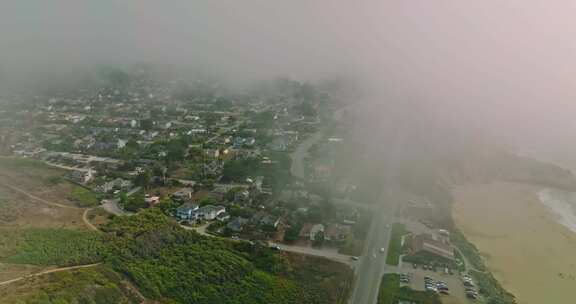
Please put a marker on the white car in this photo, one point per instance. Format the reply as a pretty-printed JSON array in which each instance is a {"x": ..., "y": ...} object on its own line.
[{"x": 382, "y": 250}]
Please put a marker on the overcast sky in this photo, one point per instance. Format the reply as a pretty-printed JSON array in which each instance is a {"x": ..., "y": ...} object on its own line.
[{"x": 500, "y": 64}]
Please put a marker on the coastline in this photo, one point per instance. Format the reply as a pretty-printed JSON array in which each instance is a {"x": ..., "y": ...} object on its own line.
[{"x": 523, "y": 245}]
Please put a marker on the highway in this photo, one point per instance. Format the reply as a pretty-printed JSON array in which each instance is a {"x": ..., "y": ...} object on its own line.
[{"x": 373, "y": 262}]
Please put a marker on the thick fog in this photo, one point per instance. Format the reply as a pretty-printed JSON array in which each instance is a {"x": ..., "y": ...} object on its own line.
[{"x": 507, "y": 67}]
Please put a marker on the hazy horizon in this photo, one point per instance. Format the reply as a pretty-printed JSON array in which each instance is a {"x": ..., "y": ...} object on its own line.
[{"x": 505, "y": 68}]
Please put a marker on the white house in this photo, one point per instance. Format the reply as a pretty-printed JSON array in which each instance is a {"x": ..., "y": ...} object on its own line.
[{"x": 209, "y": 212}]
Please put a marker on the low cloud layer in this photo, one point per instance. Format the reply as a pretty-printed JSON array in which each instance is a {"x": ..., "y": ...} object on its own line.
[{"x": 504, "y": 66}]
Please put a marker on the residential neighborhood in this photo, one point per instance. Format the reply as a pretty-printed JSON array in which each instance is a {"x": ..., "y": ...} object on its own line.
[{"x": 205, "y": 156}]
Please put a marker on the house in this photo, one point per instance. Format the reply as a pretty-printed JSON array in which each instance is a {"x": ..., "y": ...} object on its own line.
[
  {"x": 241, "y": 196},
  {"x": 305, "y": 231},
  {"x": 212, "y": 152},
  {"x": 270, "y": 220},
  {"x": 152, "y": 200},
  {"x": 183, "y": 194},
  {"x": 117, "y": 184},
  {"x": 82, "y": 177},
  {"x": 429, "y": 244},
  {"x": 237, "y": 224},
  {"x": 186, "y": 211},
  {"x": 262, "y": 218},
  {"x": 315, "y": 230},
  {"x": 336, "y": 232},
  {"x": 222, "y": 217},
  {"x": 209, "y": 212}
]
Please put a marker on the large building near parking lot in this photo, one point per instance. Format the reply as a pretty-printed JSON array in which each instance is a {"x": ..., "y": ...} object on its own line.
[{"x": 427, "y": 243}]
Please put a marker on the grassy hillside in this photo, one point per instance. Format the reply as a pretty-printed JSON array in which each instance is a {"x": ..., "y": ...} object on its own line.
[
  {"x": 98, "y": 285},
  {"x": 173, "y": 265},
  {"x": 167, "y": 262},
  {"x": 60, "y": 247}
]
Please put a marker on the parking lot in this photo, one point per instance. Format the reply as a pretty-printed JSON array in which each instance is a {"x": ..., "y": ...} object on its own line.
[{"x": 450, "y": 286}]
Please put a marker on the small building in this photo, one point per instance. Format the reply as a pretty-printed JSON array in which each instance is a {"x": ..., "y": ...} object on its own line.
[
  {"x": 152, "y": 200},
  {"x": 186, "y": 211},
  {"x": 183, "y": 194}
]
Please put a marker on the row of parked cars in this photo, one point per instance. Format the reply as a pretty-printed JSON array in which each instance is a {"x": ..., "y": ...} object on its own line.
[
  {"x": 404, "y": 278},
  {"x": 436, "y": 286},
  {"x": 469, "y": 287},
  {"x": 434, "y": 268}
]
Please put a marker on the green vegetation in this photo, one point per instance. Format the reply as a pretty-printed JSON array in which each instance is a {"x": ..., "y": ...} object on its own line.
[
  {"x": 134, "y": 202},
  {"x": 395, "y": 245},
  {"x": 83, "y": 197},
  {"x": 489, "y": 287},
  {"x": 468, "y": 250},
  {"x": 60, "y": 247},
  {"x": 18, "y": 162},
  {"x": 98, "y": 285},
  {"x": 167, "y": 262},
  {"x": 276, "y": 174},
  {"x": 391, "y": 292},
  {"x": 171, "y": 265}
]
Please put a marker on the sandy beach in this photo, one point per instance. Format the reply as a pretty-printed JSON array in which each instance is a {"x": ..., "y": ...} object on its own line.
[{"x": 530, "y": 253}]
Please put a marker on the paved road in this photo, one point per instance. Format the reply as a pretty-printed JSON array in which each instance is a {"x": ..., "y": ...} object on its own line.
[
  {"x": 372, "y": 264},
  {"x": 299, "y": 155},
  {"x": 329, "y": 253}
]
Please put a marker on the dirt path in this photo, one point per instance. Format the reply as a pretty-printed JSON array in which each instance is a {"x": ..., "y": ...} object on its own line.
[
  {"x": 53, "y": 204},
  {"x": 87, "y": 221},
  {"x": 47, "y": 272},
  {"x": 36, "y": 198}
]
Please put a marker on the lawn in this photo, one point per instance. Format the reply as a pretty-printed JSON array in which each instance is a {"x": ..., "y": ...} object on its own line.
[
  {"x": 391, "y": 292},
  {"x": 395, "y": 245}
]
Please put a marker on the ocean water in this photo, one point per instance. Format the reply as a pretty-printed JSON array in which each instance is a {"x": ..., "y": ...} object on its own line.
[{"x": 562, "y": 205}]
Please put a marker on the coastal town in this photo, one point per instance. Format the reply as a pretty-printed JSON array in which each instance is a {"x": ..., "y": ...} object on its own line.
[
  {"x": 259, "y": 166},
  {"x": 222, "y": 164}
]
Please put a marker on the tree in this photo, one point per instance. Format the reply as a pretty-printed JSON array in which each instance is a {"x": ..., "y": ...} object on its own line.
[
  {"x": 292, "y": 234},
  {"x": 135, "y": 202},
  {"x": 176, "y": 151},
  {"x": 319, "y": 239},
  {"x": 146, "y": 124},
  {"x": 132, "y": 144},
  {"x": 143, "y": 179}
]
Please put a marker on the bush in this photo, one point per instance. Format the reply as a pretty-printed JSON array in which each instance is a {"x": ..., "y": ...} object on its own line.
[
  {"x": 60, "y": 247},
  {"x": 83, "y": 197}
]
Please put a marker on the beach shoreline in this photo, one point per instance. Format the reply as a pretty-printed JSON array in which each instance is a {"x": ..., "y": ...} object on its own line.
[{"x": 523, "y": 244}]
